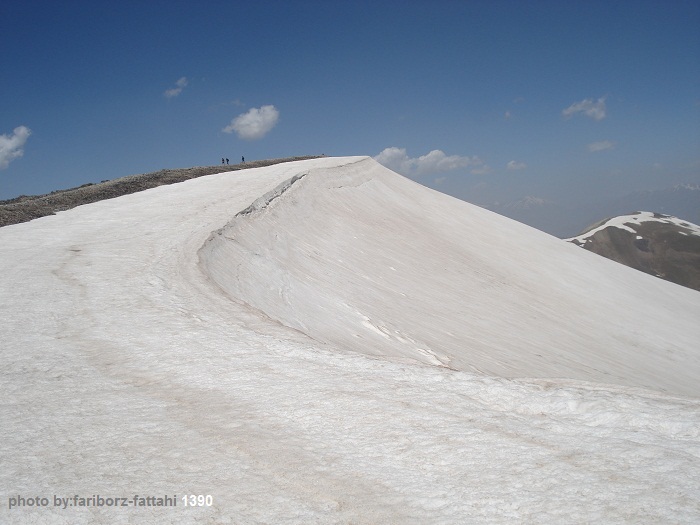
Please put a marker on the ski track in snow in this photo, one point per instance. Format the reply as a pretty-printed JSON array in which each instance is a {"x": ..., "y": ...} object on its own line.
[{"x": 127, "y": 370}]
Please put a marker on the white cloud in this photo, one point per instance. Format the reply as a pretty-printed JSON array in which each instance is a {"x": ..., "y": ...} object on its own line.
[
  {"x": 395, "y": 159},
  {"x": 179, "y": 86},
  {"x": 595, "y": 110},
  {"x": 436, "y": 161},
  {"x": 600, "y": 146},
  {"x": 11, "y": 145},
  {"x": 513, "y": 165},
  {"x": 255, "y": 123}
]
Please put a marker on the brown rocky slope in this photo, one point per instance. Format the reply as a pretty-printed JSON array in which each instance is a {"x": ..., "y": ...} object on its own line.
[{"x": 657, "y": 244}]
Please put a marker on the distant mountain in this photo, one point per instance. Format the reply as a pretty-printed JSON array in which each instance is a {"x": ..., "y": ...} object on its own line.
[
  {"x": 682, "y": 200},
  {"x": 654, "y": 243},
  {"x": 526, "y": 203},
  {"x": 539, "y": 213}
]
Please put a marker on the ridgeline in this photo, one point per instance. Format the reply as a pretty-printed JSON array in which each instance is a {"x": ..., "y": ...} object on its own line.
[{"x": 26, "y": 208}]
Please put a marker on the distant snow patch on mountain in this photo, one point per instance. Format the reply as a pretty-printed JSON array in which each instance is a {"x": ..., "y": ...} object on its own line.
[
  {"x": 568, "y": 216},
  {"x": 658, "y": 244},
  {"x": 628, "y": 223}
]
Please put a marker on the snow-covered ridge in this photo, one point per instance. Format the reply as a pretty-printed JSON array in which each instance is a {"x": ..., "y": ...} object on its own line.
[
  {"x": 365, "y": 260},
  {"x": 266, "y": 199},
  {"x": 336, "y": 379},
  {"x": 628, "y": 222}
]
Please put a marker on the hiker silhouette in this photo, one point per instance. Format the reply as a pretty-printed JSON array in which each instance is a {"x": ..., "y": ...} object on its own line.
[
  {"x": 242, "y": 159},
  {"x": 227, "y": 162}
]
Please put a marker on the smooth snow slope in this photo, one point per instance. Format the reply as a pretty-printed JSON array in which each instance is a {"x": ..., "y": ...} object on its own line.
[
  {"x": 364, "y": 259},
  {"x": 126, "y": 370}
]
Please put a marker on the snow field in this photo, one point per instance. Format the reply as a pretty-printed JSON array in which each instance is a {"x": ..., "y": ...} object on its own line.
[
  {"x": 363, "y": 259},
  {"x": 127, "y": 369}
]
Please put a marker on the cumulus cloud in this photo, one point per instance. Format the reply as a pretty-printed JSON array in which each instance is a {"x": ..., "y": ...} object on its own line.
[
  {"x": 179, "y": 86},
  {"x": 600, "y": 146},
  {"x": 255, "y": 123},
  {"x": 395, "y": 159},
  {"x": 11, "y": 146},
  {"x": 595, "y": 110},
  {"x": 435, "y": 161},
  {"x": 513, "y": 165}
]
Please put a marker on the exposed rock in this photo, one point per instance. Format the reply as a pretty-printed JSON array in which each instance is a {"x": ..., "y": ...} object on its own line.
[{"x": 657, "y": 244}]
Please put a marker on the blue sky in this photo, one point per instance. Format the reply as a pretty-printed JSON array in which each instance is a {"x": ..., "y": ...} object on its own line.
[{"x": 557, "y": 100}]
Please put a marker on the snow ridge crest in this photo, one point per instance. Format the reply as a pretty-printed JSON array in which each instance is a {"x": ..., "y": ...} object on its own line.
[{"x": 263, "y": 202}]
